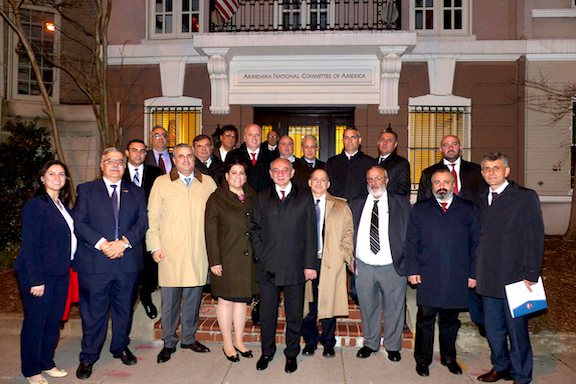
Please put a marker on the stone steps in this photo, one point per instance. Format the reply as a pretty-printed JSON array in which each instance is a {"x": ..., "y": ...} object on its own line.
[{"x": 348, "y": 330}]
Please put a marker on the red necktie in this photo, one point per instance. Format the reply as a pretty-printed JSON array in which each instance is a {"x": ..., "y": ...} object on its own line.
[
  {"x": 253, "y": 158},
  {"x": 283, "y": 196},
  {"x": 444, "y": 206},
  {"x": 455, "y": 178},
  {"x": 161, "y": 163}
]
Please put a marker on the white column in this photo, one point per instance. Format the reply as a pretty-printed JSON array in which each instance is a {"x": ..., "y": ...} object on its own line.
[
  {"x": 389, "y": 79},
  {"x": 218, "y": 71}
]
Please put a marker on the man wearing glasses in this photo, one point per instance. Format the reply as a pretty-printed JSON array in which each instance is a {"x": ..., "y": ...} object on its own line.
[
  {"x": 159, "y": 156},
  {"x": 110, "y": 221}
]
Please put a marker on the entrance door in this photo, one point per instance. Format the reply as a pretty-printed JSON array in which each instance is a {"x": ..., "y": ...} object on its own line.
[{"x": 327, "y": 124}]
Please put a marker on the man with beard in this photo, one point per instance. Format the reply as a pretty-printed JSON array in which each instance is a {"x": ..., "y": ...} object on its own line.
[
  {"x": 380, "y": 221},
  {"x": 440, "y": 254}
]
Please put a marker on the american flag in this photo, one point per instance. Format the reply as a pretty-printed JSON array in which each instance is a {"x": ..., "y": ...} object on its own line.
[{"x": 226, "y": 9}]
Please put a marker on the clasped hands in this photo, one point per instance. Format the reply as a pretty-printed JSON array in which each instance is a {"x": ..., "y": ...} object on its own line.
[{"x": 113, "y": 249}]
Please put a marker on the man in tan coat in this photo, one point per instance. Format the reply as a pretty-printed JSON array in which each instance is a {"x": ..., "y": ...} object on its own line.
[
  {"x": 176, "y": 237},
  {"x": 326, "y": 296}
]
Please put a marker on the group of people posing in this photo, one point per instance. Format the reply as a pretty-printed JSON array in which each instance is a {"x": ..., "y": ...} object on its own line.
[{"x": 258, "y": 221}]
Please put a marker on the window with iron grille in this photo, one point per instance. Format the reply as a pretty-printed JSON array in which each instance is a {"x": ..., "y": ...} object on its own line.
[
  {"x": 182, "y": 123},
  {"x": 427, "y": 127},
  {"x": 39, "y": 27},
  {"x": 174, "y": 19}
]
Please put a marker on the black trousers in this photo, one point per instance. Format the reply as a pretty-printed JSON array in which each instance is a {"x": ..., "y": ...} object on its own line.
[
  {"x": 294, "y": 305},
  {"x": 148, "y": 279},
  {"x": 310, "y": 331},
  {"x": 448, "y": 324}
]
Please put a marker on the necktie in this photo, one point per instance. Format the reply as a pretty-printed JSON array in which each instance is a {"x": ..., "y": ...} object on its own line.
[
  {"x": 253, "y": 158},
  {"x": 455, "y": 179},
  {"x": 374, "y": 235},
  {"x": 161, "y": 164},
  {"x": 114, "y": 200},
  {"x": 205, "y": 164},
  {"x": 318, "y": 228},
  {"x": 187, "y": 180},
  {"x": 136, "y": 178},
  {"x": 444, "y": 206},
  {"x": 283, "y": 196},
  {"x": 494, "y": 196}
]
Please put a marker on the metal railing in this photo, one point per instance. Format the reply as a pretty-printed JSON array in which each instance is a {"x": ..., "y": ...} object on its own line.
[{"x": 312, "y": 15}]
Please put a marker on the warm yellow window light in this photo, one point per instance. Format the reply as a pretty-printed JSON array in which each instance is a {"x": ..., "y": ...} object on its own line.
[{"x": 50, "y": 26}]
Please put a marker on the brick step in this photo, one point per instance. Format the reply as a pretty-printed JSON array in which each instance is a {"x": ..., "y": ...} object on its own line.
[{"x": 348, "y": 330}]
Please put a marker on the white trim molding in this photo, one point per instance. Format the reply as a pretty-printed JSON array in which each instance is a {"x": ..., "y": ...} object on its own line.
[{"x": 536, "y": 13}]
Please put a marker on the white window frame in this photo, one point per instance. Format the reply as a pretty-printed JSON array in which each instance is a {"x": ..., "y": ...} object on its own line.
[
  {"x": 438, "y": 20},
  {"x": 176, "y": 21},
  {"x": 306, "y": 12},
  {"x": 14, "y": 57}
]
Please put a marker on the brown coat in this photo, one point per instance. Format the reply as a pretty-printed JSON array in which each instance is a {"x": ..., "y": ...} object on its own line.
[
  {"x": 337, "y": 252},
  {"x": 227, "y": 228}
]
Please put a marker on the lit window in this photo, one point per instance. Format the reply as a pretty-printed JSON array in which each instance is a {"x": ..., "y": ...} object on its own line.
[
  {"x": 339, "y": 132},
  {"x": 297, "y": 133},
  {"x": 428, "y": 125},
  {"x": 182, "y": 123},
  {"x": 36, "y": 26},
  {"x": 440, "y": 17},
  {"x": 174, "y": 19},
  {"x": 266, "y": 129}
]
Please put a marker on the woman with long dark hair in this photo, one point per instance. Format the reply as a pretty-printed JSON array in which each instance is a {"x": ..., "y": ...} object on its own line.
[
  {"x": 232, "y": 267},
  {"x": 42, "y": 265}
]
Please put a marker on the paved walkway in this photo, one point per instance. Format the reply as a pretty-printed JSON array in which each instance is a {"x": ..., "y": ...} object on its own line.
[{"x": 190, "y": 367}]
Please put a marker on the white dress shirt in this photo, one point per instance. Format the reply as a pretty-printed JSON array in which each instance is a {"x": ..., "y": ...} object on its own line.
[
  {"x": 70, "y": 222},
  {"x": 498, "y": 191},
  {"x": 457, "y": 164},
  {"x": 322, "y": 205},
  {"x": 223, "y": 154},
  {"x": 363, "y": 251},
  {"x": 132, "y": 171},
  {"x": 286, "y": 191}
]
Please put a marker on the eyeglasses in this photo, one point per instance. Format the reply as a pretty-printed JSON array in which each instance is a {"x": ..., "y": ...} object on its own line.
[
  {"x": 377, "y": 178},
  {"x": 160, "y": 136},
  {"x": 113, "y": 161}
]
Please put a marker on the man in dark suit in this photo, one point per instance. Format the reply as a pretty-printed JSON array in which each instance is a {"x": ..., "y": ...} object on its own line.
[
  {"x": 380, "y": 221},
  {"x": 257, "y": 159},
  {"x": 347, "y": 171},
  {"x": 206, "y": 161},
  {"x": 308, "y": 163},
  {"x": 510, "y": 250},
  {"x": 143, "y": 175},
  {"x": 271, "y": 144},
  {"x": 228, "y": 140},
  {"x": 398, "y": 168},
  {"x": 468, "y": 185},
  {"x": 159, "y": 156},
  {"x": 285, "y": 243},
  {"x": 110, "y": 222},
  {"x": 440, "y": 258}
]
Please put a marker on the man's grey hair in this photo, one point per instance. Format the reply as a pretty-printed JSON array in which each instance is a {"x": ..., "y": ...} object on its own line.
[
  {"x": 443, "y": 170},
  {"x": 158, "y": 126},
  {"x": 380, "y": 168},
  {"x": 493, "y": 156},
  {"x": 310, "y": 137},
  {"x": 183, "y": 145},
  {"x": 110, "y": 150},
  {"x": 352, "y": 129}
]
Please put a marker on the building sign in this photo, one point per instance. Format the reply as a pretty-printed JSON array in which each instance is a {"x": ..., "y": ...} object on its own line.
[{"x": 305, "y": 77}]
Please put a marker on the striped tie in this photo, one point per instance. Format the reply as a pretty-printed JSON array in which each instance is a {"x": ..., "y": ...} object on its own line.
[{"x": 374, "y": 235}]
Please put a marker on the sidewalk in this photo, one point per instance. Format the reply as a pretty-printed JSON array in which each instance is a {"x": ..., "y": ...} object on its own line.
[{"x": 189, "y": 367}]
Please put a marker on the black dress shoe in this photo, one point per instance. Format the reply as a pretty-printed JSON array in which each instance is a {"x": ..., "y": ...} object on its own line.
[
  {"x": 482, "y": 330},
  {"x": 233, "y": 359},
  {"x": 127, "y": 357},
  {"x": 165, "y": 354},
  {"x": 262, "y": 363},
  {"x": 364, "y": 352},
  {"x": 453, "y": 367},
  {"x": 328, "y": 352},
  {"x": 494, "y": 376},
  {"x": 247, "y": 353},
  {"x": 422, "y": 369},
  {"x": 196, "y": 347},
  {"x": 309, "y": 350},
  {"x": 394, "y": 356},
  {"x": 151, "y": 310},
  {"x": 84, "y": 371},
  {"x": 291, "y": 365}
]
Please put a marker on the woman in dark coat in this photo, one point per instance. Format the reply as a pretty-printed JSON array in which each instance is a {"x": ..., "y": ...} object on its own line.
[
  {"x": 232, "y": 267},
  {"x": 42, "y": 265}
]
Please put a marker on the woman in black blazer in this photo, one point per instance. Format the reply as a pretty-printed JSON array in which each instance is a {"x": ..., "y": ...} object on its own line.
[{"x": 48, "y": 245}]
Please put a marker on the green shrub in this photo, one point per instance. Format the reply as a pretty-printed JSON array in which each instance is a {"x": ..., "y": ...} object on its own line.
[{"x": 21, "y": 157}]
